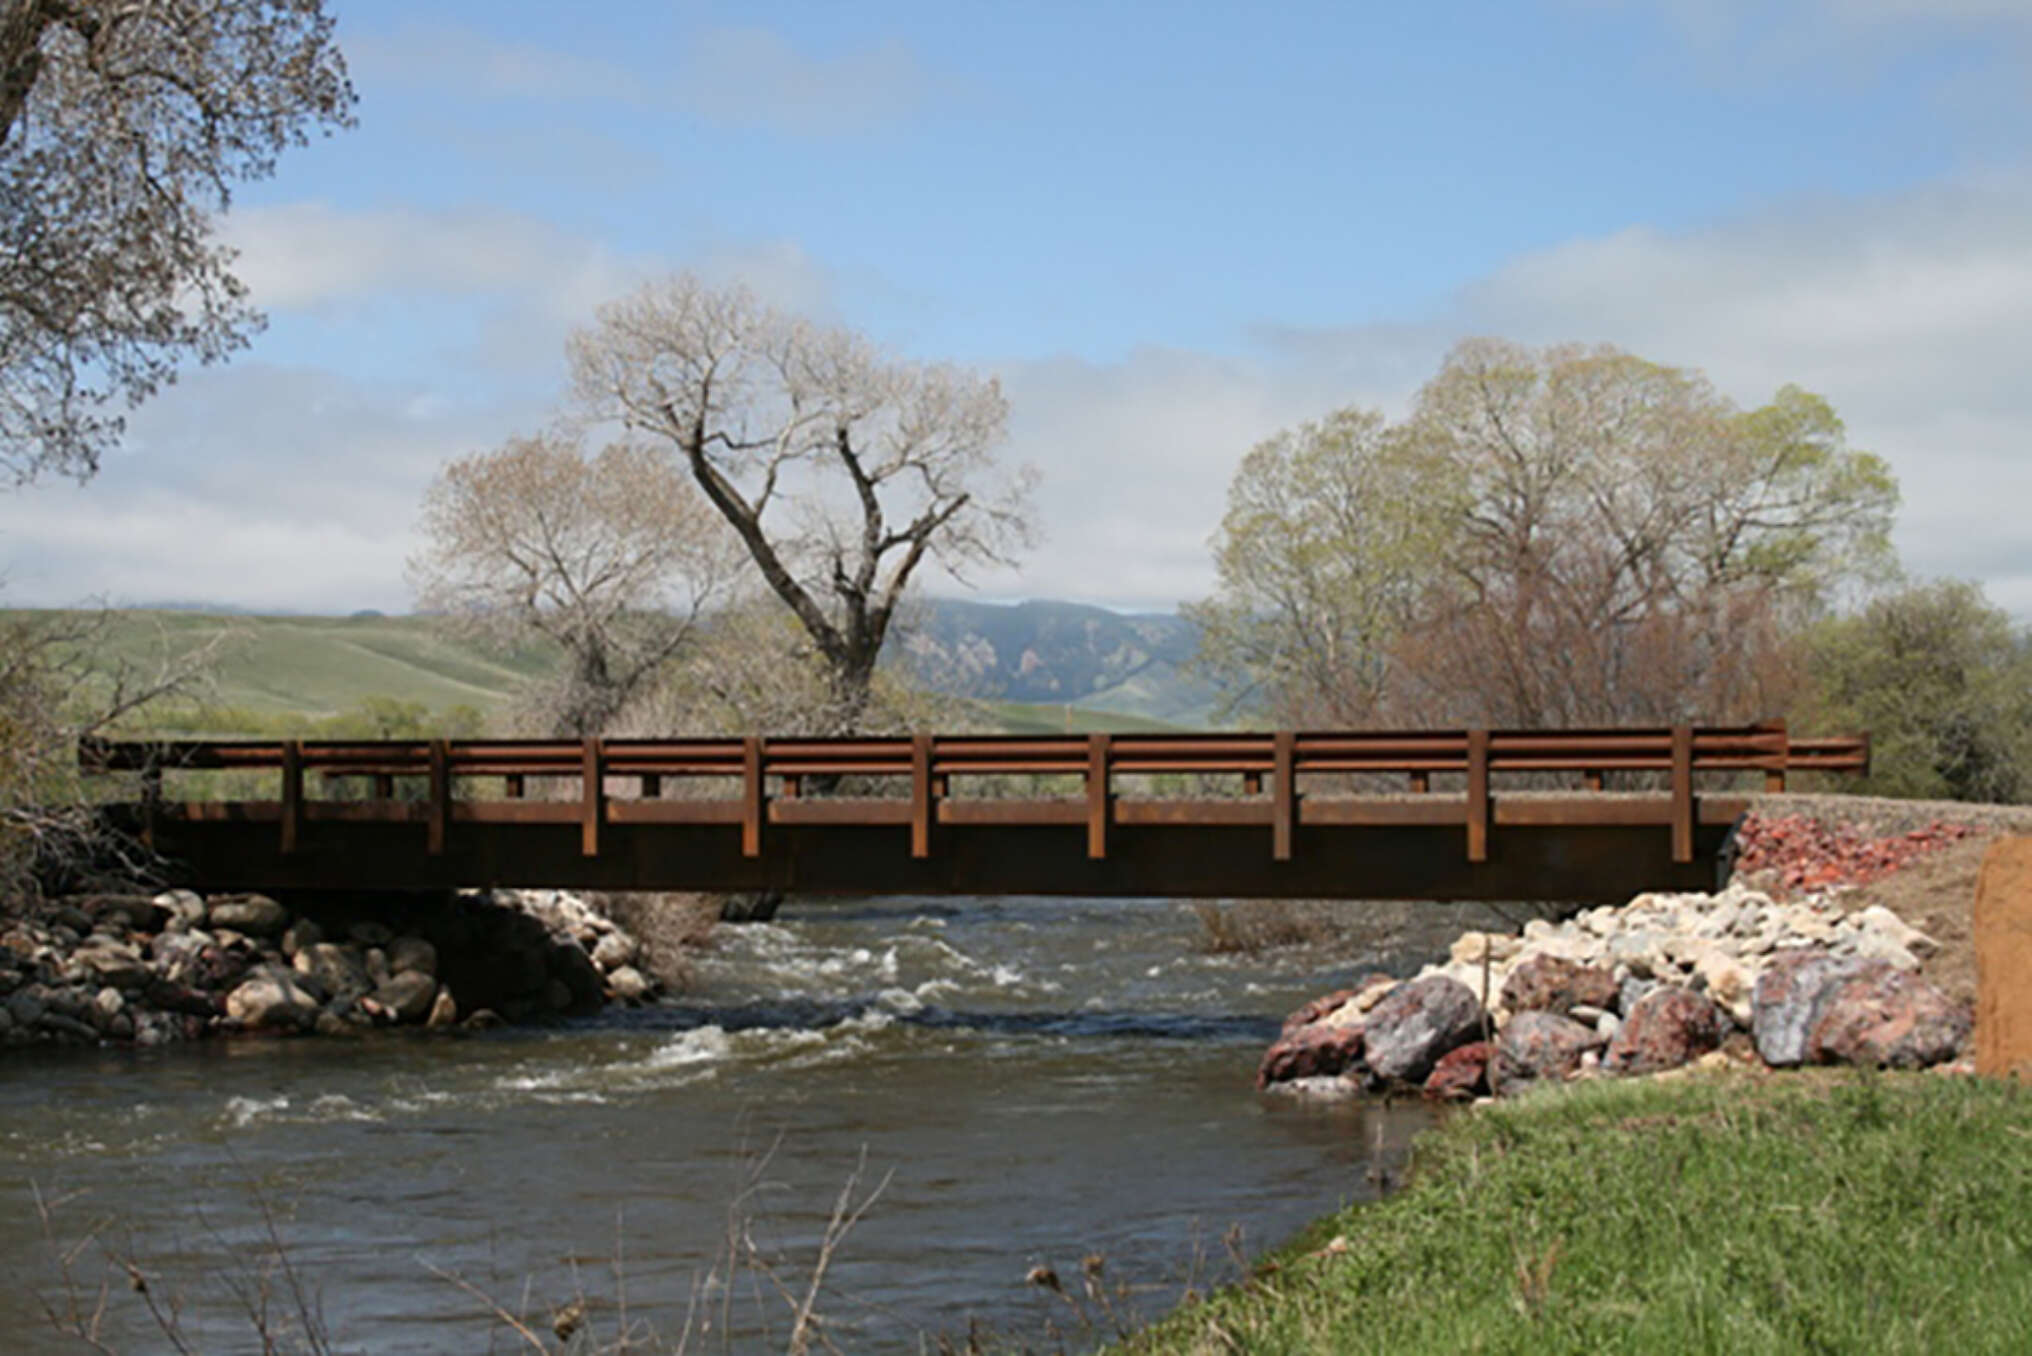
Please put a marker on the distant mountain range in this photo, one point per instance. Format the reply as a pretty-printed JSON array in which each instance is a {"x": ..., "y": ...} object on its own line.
[
  {"x": 1054, "y": 653},
  {"x": 1104, "y": 669}
]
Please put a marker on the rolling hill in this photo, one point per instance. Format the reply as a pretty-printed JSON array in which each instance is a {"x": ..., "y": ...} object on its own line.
[{"x": 1040, "y": 666}]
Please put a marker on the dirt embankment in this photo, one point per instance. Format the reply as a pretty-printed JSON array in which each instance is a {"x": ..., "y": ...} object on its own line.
[{"x": 1934, "y": 890}]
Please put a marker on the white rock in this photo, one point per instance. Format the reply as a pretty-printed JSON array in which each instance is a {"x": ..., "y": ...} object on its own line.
[
  {"x": 1878, "y": 947},
  {"x": 1881, "y": 921}
]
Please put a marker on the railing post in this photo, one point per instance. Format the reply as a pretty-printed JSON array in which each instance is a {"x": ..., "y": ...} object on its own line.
[
  {"x": 1098, "y": 798},
  {"x": 151, "y": 799},
  {"x": 921, "y": 793},
  {"x": 1478, "y": 795},
  {"x": 292, "y": 794},
  {"x": 513, "y": 786},
  {"x": 1774, "y": 777},
  {"x": 384, "y": 786},
  {"x": 752, "y": 801},
  {"x": 592, "y": 797},
  {"x": 440, "y": 795},
  {"x": 1421, "y": 782},
  {"x": 1592, "y": 779},
  {"x": 1283, "y": 794},
  {"x": 650, "y": 786},
  {"x": 1682, "y": 793}
]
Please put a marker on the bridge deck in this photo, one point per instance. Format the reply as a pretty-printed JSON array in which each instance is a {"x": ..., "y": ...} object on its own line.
[{"x": 1292, "y": 831}]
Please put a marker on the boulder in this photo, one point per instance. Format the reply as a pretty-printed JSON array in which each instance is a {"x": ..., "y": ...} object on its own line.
[
  {"x": 1312, "y": 1051},
  {"x": 1316, "y": 1009},
  {"x": 406, "y": 997},
  {"x": 1667, "y": 1028},
  {"x": 185, "y": 909},
  {"x": 1415, "y": 1024},
  {"x": 630, "y": 985},
  {"x": 1461, "y": 1073},
  {"x": 370, "y": 934},
  {"x": 116, "y": 963},
  {"x": 25, "y": 1008},
  {"x": 1538, "y": 1046},
  {"x": 272, "y": 997},
  {"x": 1543, "y": 983},
  {"x": 171, "y": 996},
  {"x": 300, "y": 934},
  {"x": 338, "y": 970},
  {"x": 140, "y": 912},
  {"x": 615, "y": 950},
  {"x": 1879, "y": 921},
  {"x": 1881, "y": 1015},
  {"x": 1786, "y": 1002},
  {"x": 255, "y": 915},
  {"x": 412, "y": 955}
]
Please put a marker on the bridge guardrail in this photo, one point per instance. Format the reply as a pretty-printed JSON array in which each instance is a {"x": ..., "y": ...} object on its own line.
[{"x": 776, "y": 769}]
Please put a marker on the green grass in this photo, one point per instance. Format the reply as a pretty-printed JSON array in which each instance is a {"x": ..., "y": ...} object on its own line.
[
  {"x": 1804, "y": 1213},
  {"x": 275, "y": 673},
  {"x": 319, "y": 666}
]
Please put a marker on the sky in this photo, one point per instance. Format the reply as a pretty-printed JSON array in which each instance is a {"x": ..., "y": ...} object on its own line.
[{"x": 1170, "y": 230}]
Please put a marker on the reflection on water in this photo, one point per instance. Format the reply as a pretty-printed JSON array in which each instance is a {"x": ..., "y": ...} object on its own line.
[{"x": 1040, "y": 1080}]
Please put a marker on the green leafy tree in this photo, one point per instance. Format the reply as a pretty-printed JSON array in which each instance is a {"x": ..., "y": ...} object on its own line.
[
  {"x": 1326, "y": 546},
  {"x": 1554, "y": 537},
  {"x": 1942, "y": 680}
]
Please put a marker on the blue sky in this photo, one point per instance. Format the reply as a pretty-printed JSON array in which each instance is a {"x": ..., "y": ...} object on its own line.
[{"x": 1170, "y": 229}]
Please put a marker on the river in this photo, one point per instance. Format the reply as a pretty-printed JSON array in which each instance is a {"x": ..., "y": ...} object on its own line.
[{"x": 1037, "y": 1081}]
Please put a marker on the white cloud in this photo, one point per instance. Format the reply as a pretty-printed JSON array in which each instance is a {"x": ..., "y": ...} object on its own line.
[
  {"x": 753, "y": 76},
  {"x": 1911, "y": 312},
  {"x": 467, "y": 61},
  {"x": 746, "y": 76}
]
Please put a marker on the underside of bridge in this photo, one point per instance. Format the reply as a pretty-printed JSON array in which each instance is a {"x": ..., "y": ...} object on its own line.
[{"x": 1535, "y": 849}]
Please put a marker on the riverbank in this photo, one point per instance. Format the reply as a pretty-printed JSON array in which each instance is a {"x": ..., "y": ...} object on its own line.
[
  {"x": 156, "y": 969},
  {"x": 1743, "y": 1212}
]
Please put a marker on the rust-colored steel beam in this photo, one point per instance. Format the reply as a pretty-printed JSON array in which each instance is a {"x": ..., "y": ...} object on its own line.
[{"x": 648, "y": 840}]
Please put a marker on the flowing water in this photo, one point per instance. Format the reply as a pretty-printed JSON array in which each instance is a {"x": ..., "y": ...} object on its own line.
[{"x": 1036, "y": 1081}]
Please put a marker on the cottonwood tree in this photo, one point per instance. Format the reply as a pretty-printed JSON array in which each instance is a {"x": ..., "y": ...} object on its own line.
[
  {"x": 841, "y": 470},
  {"x": 613, "y": 557},
  {"x": 124, "y": 125},
  {"x": 1563, "y": 537},
  {"x": 1322, "y": 556}
]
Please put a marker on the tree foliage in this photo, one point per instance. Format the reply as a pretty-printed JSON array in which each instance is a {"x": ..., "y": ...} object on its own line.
[
  {"x": 842, "y": 470},
  {"x": 612, "y": 557},
  {"x": 1942, "y": 680},
  {"x": 1318, "y": 584},
  {"x": 124, "y": 125},
  {"x": 1554, "y": 537}
]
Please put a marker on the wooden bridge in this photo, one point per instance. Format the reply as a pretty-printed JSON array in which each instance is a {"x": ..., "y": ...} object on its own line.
[{"x": 1467, "y": 814}]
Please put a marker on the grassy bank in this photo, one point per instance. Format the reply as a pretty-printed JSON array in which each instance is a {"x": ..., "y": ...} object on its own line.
[{"x": 1797, "y": 1213}]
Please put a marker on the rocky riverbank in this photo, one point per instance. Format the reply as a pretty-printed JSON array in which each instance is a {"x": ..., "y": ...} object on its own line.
[
  {"x": 1660, "y": 982},
  {"x": 153, "y": 969}
]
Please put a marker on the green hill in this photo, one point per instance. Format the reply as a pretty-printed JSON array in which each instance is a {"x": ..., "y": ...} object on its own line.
[
  {"x": 318, "y": 666},
  {"x": 1035, "y": 667}
]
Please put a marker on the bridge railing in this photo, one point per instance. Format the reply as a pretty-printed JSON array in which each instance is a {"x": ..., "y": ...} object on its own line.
[{"x": 772, "y": 775}]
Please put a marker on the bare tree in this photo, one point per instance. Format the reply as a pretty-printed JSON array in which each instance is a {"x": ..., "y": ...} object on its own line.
[
  {"x": 840, "y": 469},
  {"x": 123, "y": 126},
  {"x": 611, "y": 557},
  {"x": 60, "y": 683}
]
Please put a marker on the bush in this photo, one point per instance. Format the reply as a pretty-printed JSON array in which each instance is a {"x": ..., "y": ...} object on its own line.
[{"x": 1942, "y": 680}]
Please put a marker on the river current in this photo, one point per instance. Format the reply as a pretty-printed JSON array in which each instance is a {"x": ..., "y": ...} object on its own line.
[{"x": 1038, "y": 1082}]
